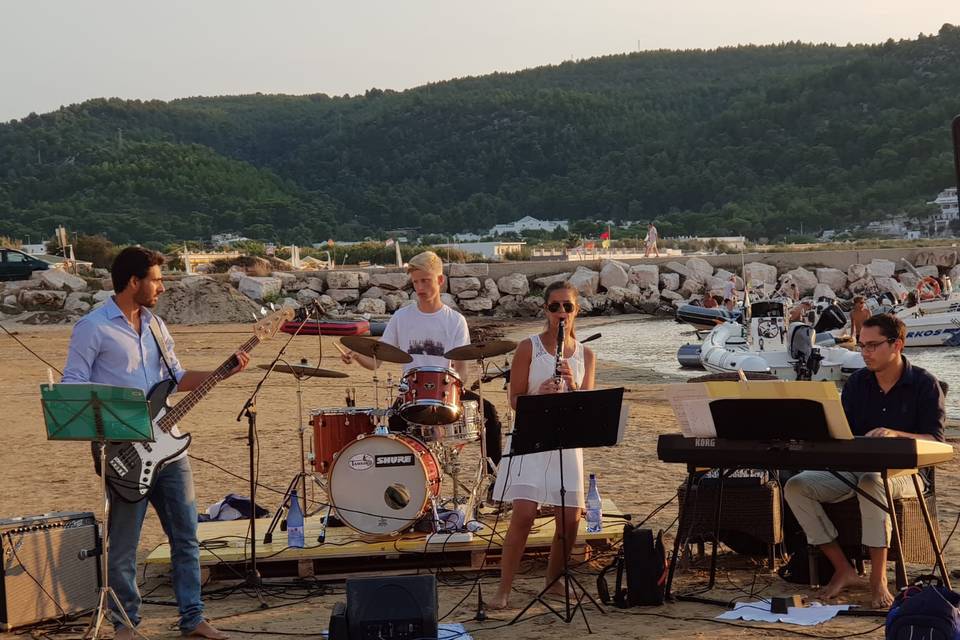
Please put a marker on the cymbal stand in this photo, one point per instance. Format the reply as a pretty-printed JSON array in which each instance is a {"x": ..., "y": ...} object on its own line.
[{"x": 483, "y": 469}]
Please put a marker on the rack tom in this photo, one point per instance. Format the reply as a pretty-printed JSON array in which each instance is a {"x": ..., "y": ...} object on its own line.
[{"x": 430, "y": 396}]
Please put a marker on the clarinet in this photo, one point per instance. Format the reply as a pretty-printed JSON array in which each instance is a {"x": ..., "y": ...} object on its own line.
[{"x": 559, "y": 360}]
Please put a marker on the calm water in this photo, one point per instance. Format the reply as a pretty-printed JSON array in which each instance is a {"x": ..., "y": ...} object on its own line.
[{"x": 648, "y": 348}]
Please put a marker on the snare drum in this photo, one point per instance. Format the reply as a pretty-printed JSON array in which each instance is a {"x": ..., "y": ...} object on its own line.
[
  {"x": 465, "y": 429},
  {"x": 430, "y": 395},
  {"x": 383, "y": 484},
  {"x": 335, "y": 428}
]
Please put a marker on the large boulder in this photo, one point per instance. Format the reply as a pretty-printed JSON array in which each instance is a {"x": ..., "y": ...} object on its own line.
[
  {"x": 546, "y": 281},
  {"x": 450, "y": 301},
  {"x": 373, "y": 292},
  {"x": 585, "y": 280},
  {"x": 930, "y": 270},
  {"x": 344, "y": 296},
  {"x": 805, "y": 280},
  {"x": 757, "y": 272},
  {"x": 469, "y": 294},
  {"x": 286, "y": 278},
  {"x": 861, "y": 287},
  {"x": 459, "y": 285},
  {"x": 77, "y": 301},
  {"x": 692, "y": 285},
  {"x": 477, "y": 304},
  {"x": 307, "y": 296},
  {"x": 315, "y": 284},
  {"x": 61, "y": 280},
  {"x": 469, "y": 270},
  {"x": 394, "y": 300},
  {"x": 373, "y": 306},
  {"x": 343, "y": 280},
  {"x": 909, "y": 280},
  {"x": 363, "y": 277},
  {"x": 328, "y": 304},
  {"x": 937, "y": 258},
  {"x": 669, "y": 294},
  {"x": 613, "y": 274},
  {"x": 880, "y": 268},
  {"x": 823, "y": 290},
  {"x": 389, "y": 280},
  {"x": 888, "y": 283},
  {"x": 645, "y": 275},
  {"x": 102, "y": 296},
  {"x": 677, "y": 267},
  {"x": 515, "y": 284},
  {"x": 955, "y": 275},
  {"x": 700, "y": 266},
  {"x": 670, "y": 281},
  {"x": 491, "y": 290},
  {"x": 856, "y": 272},
  {"x": 833, "y": 278},
  {"x": 41, "y": 299},
  {"x": 257, "y": 288}
]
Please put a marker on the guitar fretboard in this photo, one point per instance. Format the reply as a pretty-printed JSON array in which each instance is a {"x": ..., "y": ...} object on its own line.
[{"x": 181, "y": 409}]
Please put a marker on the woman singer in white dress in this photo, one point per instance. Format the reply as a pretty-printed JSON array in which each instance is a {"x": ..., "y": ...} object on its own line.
[{"x": 533, "y": 479}]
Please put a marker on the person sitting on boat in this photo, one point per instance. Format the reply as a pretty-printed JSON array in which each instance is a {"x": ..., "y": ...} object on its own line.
[
  {"x": 798, "y": 312},
  {"x": 729, "y": 304},
  {"x": 426, "y": 331},
  {"x": 532, "y": 479},
  {"x": 709, "y": 302},
  {"x": 888, "y": 398},
  {"x": 730, "y": 288}
]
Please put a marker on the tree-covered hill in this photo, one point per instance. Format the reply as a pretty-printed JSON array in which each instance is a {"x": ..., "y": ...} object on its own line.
[{"x": 753, "y": 140}]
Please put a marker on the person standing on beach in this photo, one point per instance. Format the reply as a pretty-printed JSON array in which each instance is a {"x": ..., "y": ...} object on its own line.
[
  {"x": 533, "y": 479},
  {"x": 650, "y": 241},
  {"x": 116, "y": 345},
  {"x": 426, "y": 331},
  {"x": 858, "y": 314}
]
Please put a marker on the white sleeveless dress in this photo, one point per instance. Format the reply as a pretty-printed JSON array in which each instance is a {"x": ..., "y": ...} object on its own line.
[{"x": 536, "y": 476}]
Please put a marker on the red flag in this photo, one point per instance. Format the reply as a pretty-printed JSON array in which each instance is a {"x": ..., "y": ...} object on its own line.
[{"x": 605, "y": 235}]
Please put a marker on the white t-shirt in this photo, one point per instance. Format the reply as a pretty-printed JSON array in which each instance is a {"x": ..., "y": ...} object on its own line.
[
  {"x": 426, "y": 336},
  {"x": 728, "y": 290}
]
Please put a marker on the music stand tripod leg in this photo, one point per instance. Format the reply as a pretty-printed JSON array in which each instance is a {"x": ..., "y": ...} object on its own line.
[
  {"x": 106, "y": 591},
  {"x": 934, "y": 543}
]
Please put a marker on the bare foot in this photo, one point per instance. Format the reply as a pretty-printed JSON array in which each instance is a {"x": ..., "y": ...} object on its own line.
[
  {"x": 207, "y": 630},
  {"x": 557, "y": 589},
  {"x": 841, "y": 580},
  {"x": 882, "y": 598},
  {"x": 497, "y": 603}
]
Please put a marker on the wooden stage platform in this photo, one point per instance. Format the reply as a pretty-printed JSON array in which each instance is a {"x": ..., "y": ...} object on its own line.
[{"x": 225, "y": 549}]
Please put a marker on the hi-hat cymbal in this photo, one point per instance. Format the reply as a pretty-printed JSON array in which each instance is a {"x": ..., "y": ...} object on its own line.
[
  {"x": 305, "y": 371},
  {"x": 373, "y": 348},
  {"x": 481, "y": 350}
]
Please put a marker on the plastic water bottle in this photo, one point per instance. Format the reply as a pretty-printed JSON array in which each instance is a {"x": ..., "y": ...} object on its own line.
[
  {"x": 594, "y": 507},
  {"x": 294, "y": 523}
]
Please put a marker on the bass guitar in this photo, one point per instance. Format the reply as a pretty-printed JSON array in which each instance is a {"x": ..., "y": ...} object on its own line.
[{"x": 132, "y": 467}]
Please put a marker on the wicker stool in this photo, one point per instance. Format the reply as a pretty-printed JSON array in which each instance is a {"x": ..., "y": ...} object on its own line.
[
  {"x": 914, "y": 539},
  {"x": 750, "y": 509}
]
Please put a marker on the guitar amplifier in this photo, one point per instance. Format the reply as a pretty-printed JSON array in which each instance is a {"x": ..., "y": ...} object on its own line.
[{"x": 50, "y": 568}]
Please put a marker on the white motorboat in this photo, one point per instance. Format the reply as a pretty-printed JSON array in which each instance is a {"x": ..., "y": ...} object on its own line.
[
  {"x": 930, "y": 329},
  {"x": 790, "y": 353}
]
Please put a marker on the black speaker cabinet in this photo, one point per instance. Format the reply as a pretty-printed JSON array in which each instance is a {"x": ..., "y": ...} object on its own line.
[
  {"x": 396, "y": 608},
  {"x": 50, "y": 567}
]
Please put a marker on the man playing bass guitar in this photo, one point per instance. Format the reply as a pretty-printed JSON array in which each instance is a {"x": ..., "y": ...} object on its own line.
[{"x": 117, "y": 344}]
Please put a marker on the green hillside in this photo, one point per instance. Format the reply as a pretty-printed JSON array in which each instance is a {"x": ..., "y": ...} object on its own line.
[{"x": 751, "y": 140}]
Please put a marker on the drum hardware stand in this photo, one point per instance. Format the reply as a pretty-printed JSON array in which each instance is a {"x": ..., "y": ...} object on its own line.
[{"x": 252, "y": 578}]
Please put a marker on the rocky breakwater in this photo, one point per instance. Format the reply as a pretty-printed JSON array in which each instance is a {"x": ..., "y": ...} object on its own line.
[{"x": 53, "y": 296}]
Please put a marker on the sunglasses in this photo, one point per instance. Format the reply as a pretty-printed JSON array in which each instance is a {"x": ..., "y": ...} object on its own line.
[{"x": 553, "y": 307}]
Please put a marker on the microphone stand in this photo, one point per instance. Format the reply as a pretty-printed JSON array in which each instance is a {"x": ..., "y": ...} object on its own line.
[{"x": 253, "y": 579}]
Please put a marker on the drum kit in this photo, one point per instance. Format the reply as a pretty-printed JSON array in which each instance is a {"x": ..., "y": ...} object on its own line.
[{"x": 380, "y": 481}]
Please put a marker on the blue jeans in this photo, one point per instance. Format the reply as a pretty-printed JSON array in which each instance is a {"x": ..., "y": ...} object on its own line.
[{"x": 175, "y": 503}]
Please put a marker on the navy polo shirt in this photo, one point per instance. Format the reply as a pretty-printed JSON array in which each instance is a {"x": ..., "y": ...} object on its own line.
[{"x": 914, "y": 404}]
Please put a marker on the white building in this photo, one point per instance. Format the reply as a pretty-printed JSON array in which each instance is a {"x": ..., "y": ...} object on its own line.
[
  {"x": 34, "y": 249},
  {"x": 489, "y": 250},
  {"x": 223, "y": 239},
  {"x": 528, "y": 223},
  {"x": 949, "y": 209},
  {"x": 466, "y": 237}
]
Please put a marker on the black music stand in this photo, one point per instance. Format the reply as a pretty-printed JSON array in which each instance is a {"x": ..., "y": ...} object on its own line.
[
  {"x": 555, "y": 422},
  {"x": 98, "y": 413}
]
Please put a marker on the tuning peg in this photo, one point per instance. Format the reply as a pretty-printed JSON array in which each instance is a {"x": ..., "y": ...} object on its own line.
[
  {"x": 272, "y": 307},
  {"x": 255, "y": 318},
  {"x": 263, "y": 311}
]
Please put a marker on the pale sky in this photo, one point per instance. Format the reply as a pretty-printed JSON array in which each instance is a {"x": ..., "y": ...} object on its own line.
[{"x": 58, "y": 52}]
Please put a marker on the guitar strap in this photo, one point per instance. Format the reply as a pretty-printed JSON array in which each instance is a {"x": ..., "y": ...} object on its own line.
[{"x": 161, "y": 345}]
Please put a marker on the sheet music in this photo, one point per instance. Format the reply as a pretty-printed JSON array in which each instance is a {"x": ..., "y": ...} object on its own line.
[{"x": 691, "y": 404}]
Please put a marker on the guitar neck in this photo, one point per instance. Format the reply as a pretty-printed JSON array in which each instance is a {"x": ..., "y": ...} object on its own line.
[{"x": 191, "y": 400}]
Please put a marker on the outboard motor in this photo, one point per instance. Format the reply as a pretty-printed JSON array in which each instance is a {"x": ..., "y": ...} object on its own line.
[
  {"x": 831, "y": 317},
  {"x": 806, "y": 356}
]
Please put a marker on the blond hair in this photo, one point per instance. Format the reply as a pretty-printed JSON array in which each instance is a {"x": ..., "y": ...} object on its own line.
[{"x": 427, "y": 261}]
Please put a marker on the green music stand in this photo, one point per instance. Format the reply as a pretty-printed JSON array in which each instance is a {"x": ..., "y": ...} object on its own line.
[{"x": 98, "y": 413}]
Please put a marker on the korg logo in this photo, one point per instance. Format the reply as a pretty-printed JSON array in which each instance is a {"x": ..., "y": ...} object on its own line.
[{"x": 404, "y": 460}]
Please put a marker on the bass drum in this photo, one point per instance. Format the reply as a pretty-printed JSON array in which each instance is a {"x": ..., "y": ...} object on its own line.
[{"x": 382, "y": 484}]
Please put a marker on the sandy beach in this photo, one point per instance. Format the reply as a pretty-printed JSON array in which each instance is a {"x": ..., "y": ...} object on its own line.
[{"x": 38, "y": 476}]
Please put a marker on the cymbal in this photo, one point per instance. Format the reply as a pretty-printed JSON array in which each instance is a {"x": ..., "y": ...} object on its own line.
[
  {"x": 479, "y": 350},
  {"x": 373, "y": 348},
  {"x": 305, "y": 371}
]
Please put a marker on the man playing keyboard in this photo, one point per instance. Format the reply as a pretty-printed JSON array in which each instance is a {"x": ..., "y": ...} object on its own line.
[{"x": 889, "y": 398}]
